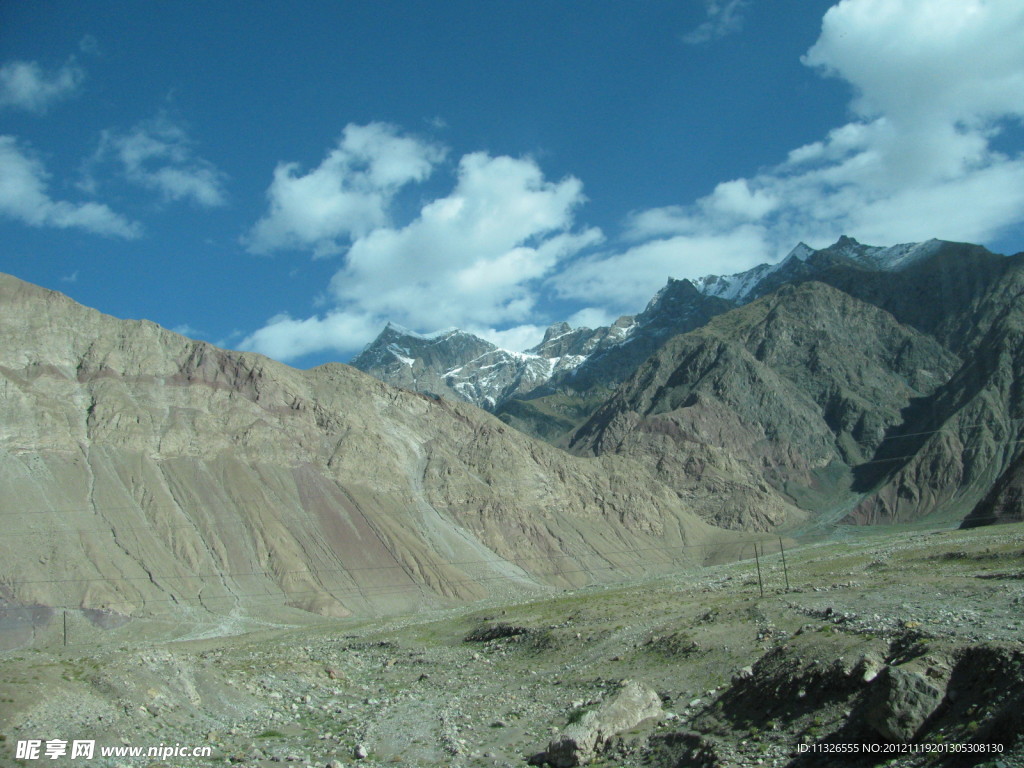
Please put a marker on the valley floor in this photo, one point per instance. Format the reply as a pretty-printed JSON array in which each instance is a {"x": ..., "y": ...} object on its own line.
[{"x": 919, "y": 631}]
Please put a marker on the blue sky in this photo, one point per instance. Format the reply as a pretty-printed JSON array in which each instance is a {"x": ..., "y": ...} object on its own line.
[{"x": 286, "y": 177}]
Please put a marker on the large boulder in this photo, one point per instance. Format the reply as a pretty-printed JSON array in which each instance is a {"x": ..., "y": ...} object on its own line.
[
  {"x": 902, "y": 699},
  {"x": 579, "y": 742}
]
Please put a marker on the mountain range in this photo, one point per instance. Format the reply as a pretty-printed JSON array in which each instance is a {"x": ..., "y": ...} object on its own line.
[
  {"x": 590, "y": 363},
  {"x": 853, "y": 383},
  {"x": 148, "y": 475}
]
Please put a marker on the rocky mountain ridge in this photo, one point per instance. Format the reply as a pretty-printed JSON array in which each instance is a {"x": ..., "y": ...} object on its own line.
[
  {"x": 459, "y": 365},
  {"x": 770, "y": 387},
  {"x": 465, "y": 367}
]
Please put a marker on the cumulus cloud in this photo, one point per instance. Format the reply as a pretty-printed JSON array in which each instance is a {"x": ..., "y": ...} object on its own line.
[
  {"x": 623, "y": 282},
  {"x": 25, "y": 85},
  {"x": 723, "y": 17},
  {"x": 926, "y": 61},
  {"x": 347, "y": 196},
  {"x": 473, "y": 252},
  {"x": 472, "y": 258},
  {"x": 287, "y": 338},
  {"x": 517, "y": 338},
  {"x": 24, "y": 196},
  {"x": 591, "y": 317},
  {"x": 933, "y": 83},
  {"x": 157, "y": 154}
]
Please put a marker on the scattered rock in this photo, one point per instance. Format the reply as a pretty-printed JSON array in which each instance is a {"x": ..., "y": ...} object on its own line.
[
  {"x": 744, "y": 674},
  {"x": 868, "y": 668},
  {"x": 488, "y": 632}
]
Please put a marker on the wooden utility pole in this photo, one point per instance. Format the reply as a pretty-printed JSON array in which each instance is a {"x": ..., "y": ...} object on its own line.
[
  {"x": 65, "y": 628},
  {"x": 760, "y": 584},
  {"x": 782, "y": 551}
]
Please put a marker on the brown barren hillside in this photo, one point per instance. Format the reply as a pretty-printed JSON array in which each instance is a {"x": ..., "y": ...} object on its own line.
[{"x": 146, "y": 474}]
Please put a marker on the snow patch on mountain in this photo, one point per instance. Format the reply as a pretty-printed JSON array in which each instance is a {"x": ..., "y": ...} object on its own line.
[
  {"x": 890, "y": 259},
  {"x": 401, "y": 330},
  {"x": 402, "y": 353},
  {"x": 742, "y": 286},
  {"x": 739, "y": 286}
]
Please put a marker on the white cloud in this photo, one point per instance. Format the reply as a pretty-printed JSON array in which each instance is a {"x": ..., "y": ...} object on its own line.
[
  {"x": 286, "y": 338},
  {"x": 591, "y": 317},
  {"x": 933, "y": 82},
  {"x": 24, "y": 85},
  {"x": 738, "y": 201},
  {"x": 517, "y": 339},
  {"x": 347, "y": 196},
  {"x": 23, "y": 196},
  {"x": 468, "y": 257},
  {"x": 732, "y": 204},
  {"x": 927, "y": 62},
  {"x": 723, "y": 18},
  {"x": 472, "y": 259},
  {"x": 624, "y": 282},
  {"x": 89, "y": 45},
  {"x": 157, "y": 154},
  {"x": 187, "y": 330},
  {"x": 932, "y": 79}
]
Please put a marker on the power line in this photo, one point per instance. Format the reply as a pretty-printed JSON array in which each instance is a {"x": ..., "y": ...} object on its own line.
[
  {"x": 199, "y": 526},
  {"x": 964, "y": 450},
  {"x": 980, "y": 425}
]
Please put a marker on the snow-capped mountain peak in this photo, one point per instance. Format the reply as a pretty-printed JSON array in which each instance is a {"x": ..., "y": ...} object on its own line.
[
  {"x": 401, "y": 330},
  {"x": 458, "y": 364},
  {"x": 802, "y": 252},
  {"x": 746, "y": 286},
  {"x": 890, "y": 259}
]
